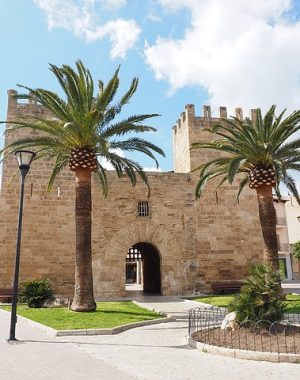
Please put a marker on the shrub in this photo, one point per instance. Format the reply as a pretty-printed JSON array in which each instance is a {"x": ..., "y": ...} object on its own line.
[
  {"x": 261, "y": 297},
  {"x": 35, "y": 292},
  {"x": 296, "y": 250}
]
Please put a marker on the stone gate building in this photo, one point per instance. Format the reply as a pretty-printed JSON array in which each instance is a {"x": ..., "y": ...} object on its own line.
[{"x": 184, "y": 244}]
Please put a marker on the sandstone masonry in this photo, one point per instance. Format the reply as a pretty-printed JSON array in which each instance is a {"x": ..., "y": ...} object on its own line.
[{"x": 198, "y": 242}]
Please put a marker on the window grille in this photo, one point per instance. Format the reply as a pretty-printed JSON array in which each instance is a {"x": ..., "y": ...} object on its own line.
[
  {"x": 143, "y": 209},
  {"x": 133, "y": 255}
]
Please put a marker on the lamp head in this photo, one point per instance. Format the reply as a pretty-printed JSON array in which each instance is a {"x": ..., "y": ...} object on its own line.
[{"x": 24, "y": 158}]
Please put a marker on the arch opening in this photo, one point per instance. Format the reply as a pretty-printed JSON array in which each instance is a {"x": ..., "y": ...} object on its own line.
[{"x": 143, "y": 269}]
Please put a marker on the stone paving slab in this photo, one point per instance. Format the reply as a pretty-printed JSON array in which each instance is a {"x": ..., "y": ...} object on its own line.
[
  {"x": 171, "y": 306},
  {"x": 157, "y": 352},
  {"x": 39, "y": 356},
  {"x": 161, "y": 352}
]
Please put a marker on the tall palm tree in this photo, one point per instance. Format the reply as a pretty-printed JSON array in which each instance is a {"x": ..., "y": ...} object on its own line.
[
  {"x": 82, "y": 130},
  {"x": 262, "y": 151}
]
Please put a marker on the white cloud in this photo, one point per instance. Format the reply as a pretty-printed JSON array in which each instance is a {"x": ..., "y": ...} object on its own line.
[
  {"x": 244, "y": 53},
  {"x": 122, "y": 34},
  {"x": 152, "y": 16},
  {"x": 113, "y": 4},
  {"x": 81, "y": 18},
  {"x": 106, "y": 164}
]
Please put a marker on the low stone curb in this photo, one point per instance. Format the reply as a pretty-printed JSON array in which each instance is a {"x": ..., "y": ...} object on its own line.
[
  {"x": 46, "y": 329},
  {"x": 105, "y": 331},
  {"x": 245, "y": 354},
  {"x": 112, "y": 331}
]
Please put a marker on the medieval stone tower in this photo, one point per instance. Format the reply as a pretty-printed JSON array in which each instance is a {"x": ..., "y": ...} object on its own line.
[{"x": 184, "y": 245}]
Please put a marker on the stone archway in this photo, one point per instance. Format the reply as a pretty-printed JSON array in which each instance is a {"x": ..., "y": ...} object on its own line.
[
  {"x": 108, "y": 265},
  {"x": 143, "y": 271}
]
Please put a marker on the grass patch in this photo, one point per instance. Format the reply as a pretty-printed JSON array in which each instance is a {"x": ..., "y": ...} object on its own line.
[
  {"x": 221, "y": 301},
  {"x": 293, "y": 304},
  {"x": 293, "y": 301},
  {"x": 107, "y": 315}
]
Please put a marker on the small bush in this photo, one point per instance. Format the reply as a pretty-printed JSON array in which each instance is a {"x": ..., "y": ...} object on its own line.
[
  {"x": 296, "y": 250},
  {"x": 261, "y": 297},
  {"x": 35, "y": 292}
]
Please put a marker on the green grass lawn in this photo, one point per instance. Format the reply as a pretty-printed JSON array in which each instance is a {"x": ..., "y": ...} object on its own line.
[
  {"x": 107, "y": 315},
  {"x": 293, "y": 301}
]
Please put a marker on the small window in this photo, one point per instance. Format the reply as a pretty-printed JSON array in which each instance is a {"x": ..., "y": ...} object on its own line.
[{"x": 143, "y": 209}]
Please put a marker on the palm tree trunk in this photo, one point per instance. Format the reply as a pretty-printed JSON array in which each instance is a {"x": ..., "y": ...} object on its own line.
[
  {"x": 267, "y": 217},
  {"x": 83, "y": 294}
]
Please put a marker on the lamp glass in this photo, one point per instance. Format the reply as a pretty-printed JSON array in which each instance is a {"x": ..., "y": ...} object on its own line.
[{"x": 24, "y": 157}]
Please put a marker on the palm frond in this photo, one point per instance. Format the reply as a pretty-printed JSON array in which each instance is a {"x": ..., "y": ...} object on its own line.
[
  {"x": 59, "y": 165},
  {"x": 82, "y": 121},
  {"x": 130, "y": 167},
  {"x": 242, "y": 184},
  {"x": 128, "y": 95},
  {"x": 249, "y": 144},
  {"x": 33, "y": 142},
  {"x": 234, "y": 167},
  {"x": 291, "y": 186},
  {"x": 108, "y": 92},
  {"x": 49, "y": 100},
  {"x": 102, "y": 178},
  {"x": 131, "y": 124},
  {"x": 137, "y": 144}
]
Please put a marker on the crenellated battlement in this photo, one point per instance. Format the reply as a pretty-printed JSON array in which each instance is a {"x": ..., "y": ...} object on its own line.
[
  {"x": 190, "y": 128},
  {"x": 188, "y": 116},
  {"x": 17, "y": 108}
]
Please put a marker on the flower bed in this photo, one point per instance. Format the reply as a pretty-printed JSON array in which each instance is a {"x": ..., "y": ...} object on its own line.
[{"x": 279, "y": 338}]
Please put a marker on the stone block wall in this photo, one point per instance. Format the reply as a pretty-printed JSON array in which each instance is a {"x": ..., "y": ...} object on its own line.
[{"x": 199, "y": 242}]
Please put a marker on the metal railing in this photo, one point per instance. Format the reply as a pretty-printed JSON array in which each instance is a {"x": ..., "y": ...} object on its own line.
[{"x": 281, "y": 336}]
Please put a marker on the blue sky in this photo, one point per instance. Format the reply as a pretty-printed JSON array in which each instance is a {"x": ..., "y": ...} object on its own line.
[{"x": 234, "y": 53}]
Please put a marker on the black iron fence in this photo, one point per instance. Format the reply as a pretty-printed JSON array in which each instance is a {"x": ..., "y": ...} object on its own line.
[{"x": 280, "y": 337}]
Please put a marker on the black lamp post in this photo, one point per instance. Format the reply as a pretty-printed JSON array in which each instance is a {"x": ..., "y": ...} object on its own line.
[{"x": 24, "y": 158}]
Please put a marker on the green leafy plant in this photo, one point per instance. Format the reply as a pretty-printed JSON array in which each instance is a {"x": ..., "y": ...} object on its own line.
[
  {"x": 296, "y": 249},
  {"x": 35, "y": 292},
  {"x": 261, "y": 297}
]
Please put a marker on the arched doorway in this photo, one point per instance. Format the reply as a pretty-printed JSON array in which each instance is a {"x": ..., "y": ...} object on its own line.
[
  {"x": 143, "y": 268},
  {"x": 109, "y": 268}
]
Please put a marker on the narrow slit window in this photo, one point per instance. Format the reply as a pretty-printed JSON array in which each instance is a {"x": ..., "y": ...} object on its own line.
[{"x": 143, "y": 209}]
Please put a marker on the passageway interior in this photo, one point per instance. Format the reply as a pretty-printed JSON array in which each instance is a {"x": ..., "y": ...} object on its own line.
[{"x": 143, "y": 269}]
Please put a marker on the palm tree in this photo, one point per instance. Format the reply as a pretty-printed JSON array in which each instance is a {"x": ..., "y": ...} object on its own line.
[
  {"x": 262, "y": 152},
  {"x": 81, "y": 131}
]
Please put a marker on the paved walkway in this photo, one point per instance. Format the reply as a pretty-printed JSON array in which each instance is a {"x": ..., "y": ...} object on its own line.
[
  {"x": 172, "y": 306},
  {"x": 157, "y": 352},
  {"x": 40, "y": 357},
  {"x": 292, "y": 286}
]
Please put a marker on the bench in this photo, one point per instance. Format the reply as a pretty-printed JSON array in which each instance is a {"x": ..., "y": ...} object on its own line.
[
  {"x": 6, "y": 295},
  {"x": 226, "y": 287}
]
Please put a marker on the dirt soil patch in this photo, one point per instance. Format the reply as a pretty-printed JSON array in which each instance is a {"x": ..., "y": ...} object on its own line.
[{"x": 281, "y": 338}]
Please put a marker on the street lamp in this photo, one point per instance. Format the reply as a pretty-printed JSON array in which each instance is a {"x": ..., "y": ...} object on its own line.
[{"x": 24, "y": 158}]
